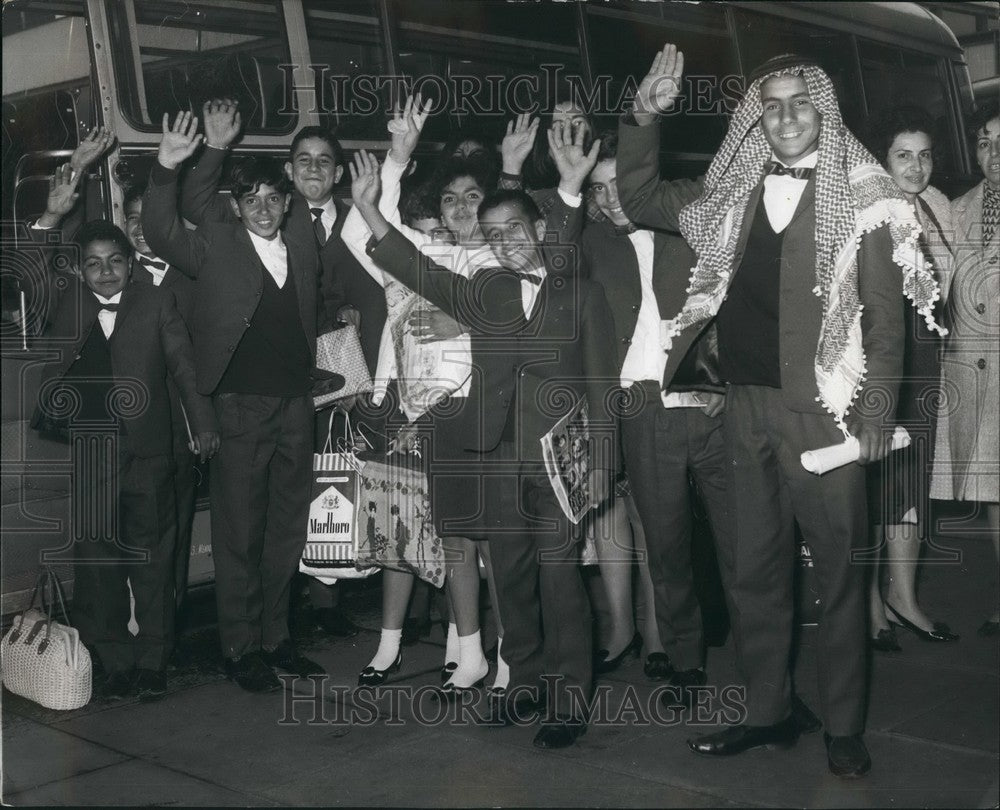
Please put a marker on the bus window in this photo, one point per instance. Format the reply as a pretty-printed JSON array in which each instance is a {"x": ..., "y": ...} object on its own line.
[
  {"x": 896, "y": 77},
  {"x": 763, "y": 36},
  {"x": 347, "y": 38},
  {"x": 700, "y": 33},
  {"x": 490, "y": 58},
  {"x": 174, "y": 55}
]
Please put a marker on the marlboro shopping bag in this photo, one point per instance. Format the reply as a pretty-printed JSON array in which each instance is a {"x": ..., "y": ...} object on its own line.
[
  {"x": 395, "y": 526},
  {"x": 331, "y": 550}
]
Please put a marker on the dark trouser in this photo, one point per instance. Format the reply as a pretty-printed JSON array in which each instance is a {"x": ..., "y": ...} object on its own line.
[
  {"x": 103, "y": 570},
  {"x": 543, "y": 602},
  {"x": 661, "y": 445},
  {"x": 260, "y": 488},
  {"x": 185, "y": 487},
  {"x": 770, "y": 490}
]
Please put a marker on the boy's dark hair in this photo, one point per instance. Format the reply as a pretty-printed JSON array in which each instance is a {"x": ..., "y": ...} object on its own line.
[
  {"x": 474, "y": 131},
  {"x": 539, "y": 169},
  {"x": 511, "y": 196},
  {"x": 609, "y": 145},
  {"x": 100, "y": 230},
  {"x": 323, "y": 134},
  {"x": 479, "y": 170},
  {"x": 981, "y": 117},
  {"x": 251, "y": 174},
  {"x": 418, "y": 203},
  {"x": 885, "y": 126},
  {"x": 135, "y": 192}
]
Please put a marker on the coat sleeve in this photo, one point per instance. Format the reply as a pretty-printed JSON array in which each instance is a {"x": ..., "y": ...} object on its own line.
[
  {"x": 199, "y": 199},
  {"x": 882, "y": 318},
  {"x": 179, "y": 354},
  {"x": 162, "y": 226},
  {"x": 645, "y": 198},
  {"x": 488, "y": 304},
  {"x": 601, "y": 373}
]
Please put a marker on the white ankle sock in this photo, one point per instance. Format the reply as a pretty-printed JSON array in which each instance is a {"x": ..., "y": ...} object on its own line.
[
  {"x": 472, "y": 664},
  {"x": 451, "y": 645},
  {"x": 388, "y": 649},
  {"x": 503, "y": 671}
]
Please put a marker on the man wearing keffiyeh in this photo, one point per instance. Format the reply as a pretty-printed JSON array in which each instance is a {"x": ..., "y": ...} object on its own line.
[{"x": 804, "y": 246}]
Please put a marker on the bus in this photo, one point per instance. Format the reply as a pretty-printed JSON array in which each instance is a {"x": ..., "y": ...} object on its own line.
[{"x": 71, "y": 65}]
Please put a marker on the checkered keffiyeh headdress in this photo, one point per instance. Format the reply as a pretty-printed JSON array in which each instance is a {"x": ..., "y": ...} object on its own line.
[{"x": 854, "y": 195}]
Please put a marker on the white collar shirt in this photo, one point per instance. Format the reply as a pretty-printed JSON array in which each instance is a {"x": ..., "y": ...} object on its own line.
[
  {"x": 157, "y": 274},
  {"x": 782, "y": 192},
  {"x": 105, "y": 317},
  {"x": 273, "y": 255}
]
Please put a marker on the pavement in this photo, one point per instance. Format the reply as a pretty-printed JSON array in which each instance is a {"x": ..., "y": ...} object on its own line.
[{"x": 932, "y": 730}]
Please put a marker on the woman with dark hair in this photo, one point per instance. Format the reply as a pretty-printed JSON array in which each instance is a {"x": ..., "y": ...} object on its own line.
[{"x": 903, "y": 141}]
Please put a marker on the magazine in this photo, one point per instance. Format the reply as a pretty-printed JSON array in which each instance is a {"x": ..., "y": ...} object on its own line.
[{"x": 566, "y": 450}]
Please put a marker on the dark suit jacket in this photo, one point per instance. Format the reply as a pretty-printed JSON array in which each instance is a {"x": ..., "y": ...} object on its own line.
[
  {"x": 610, "y": 260},
  {"x": 183, "y": 287},
  {"x": 229, "y": 273},
  {"x": 343, "y": 281},
  {"x": 646, "y": 198},
  {"x": 525, "y": 364},
  {"x": 148, "y": 343}
]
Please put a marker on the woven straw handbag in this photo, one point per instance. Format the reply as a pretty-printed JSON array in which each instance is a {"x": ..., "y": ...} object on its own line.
[{"x": 43, "y": 660}]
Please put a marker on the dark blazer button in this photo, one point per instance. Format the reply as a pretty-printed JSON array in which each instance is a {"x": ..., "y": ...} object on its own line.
[
  {"x": 231, "y": 348},
  {"x": 626, "y": 340},
  {"x": 635, "y": 307},
  {"x": 980, "y": 308},
  {"x": 981, "y": 363},
  {"x": 246, "y": 321}
]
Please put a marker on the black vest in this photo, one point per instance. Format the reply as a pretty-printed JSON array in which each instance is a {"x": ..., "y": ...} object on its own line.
[
  {"x": 272, "y": 357},
  {"x": 90, "y": 377},
  {"x": 748, "y": 319}
]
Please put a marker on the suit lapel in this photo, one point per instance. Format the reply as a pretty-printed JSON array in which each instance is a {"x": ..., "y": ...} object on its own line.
[
  {"x": 748, "y": 215},
  {"x": 807, "y": 201},
  {"x": 125, "y": 306}
]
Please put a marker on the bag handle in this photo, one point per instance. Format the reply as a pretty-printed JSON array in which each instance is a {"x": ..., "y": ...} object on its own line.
[
  {"x": 328, "y": 444},
  {"x": 39, "y": 580}
]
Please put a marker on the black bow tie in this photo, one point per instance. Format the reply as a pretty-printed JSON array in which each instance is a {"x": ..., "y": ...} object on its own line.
[
  {"x": 531, "y": 278},
  {"x": 109, "y": 307},
  {"x": 153, "y": 264},
  {"x": 625, "y": 230},
  {"x": 800, "y": 173}
]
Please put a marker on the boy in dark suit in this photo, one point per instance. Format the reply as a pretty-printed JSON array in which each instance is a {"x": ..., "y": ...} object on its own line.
[
  {"x": 117, "y": 343},
  {"x": 254, "y": 329},
  {"x": 533, "y": 332}
]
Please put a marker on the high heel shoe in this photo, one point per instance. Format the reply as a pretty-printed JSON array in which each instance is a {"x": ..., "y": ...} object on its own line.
[
  {"x": 450, "y": 692},
  {"x": 447, "y": 670},
  {"x": 376, "y": 677},
  {"x": 605, "y": 664},
  {"x": 885, "y": 641},
  {"x": 941, "y": 631}
]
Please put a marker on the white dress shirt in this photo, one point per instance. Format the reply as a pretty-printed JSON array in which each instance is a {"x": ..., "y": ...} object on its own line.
[
  {"x": 274, "y": 255},
  {"x": 782, "y": 193},
  {"x": 155, "y": 272},
  {"x": 106, "y": 318},
  {"x": 645, "y": 359}
]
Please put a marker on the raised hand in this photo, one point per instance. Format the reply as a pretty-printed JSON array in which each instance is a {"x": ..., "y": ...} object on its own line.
[
  {"x": 566, "y": 149},
  {"x": 406, "y": 127},
  {"x": 179, "y": 141},
  {"x": 222, "y": 122},
  {"x": 518, "y": 142},
  {"x": 366, "y": 184},
  {"x": 62, "y": 195},
  {"x": 661, "y": 86},
  {"x": 94, "y": 144},
  {"x": 430, "y": 325}
]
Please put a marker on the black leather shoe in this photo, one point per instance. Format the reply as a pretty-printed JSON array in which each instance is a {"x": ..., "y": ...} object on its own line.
[
  {"x": 492, "y": 653},
  {"x": 679, "y": 692},
  {"x": 523, "y": 712},
  {"x": 603, "y": 664},
  {"x": 988, "y": 628},
  {"x": 249, "y": 672},
  {"x": 804, "y": 717},
  {"x": 150, "y": 684},
  {"x": 117, "y": 685},
  {"x": 335, "y": 622},
  {"x": 449, "y": 692},
  {"x": 286, "y": 658},
  {"x": 885, "y": 641},
  {"x": 376, "y": 677},
  {"x": 561, "y": 734},
  {"x": 941, "y": 631},
  {"x": 657, "y": 667},
  {"x": 737, "y": 739},
  {"x": 447, "y": 669},
  {"x": 848, "y": 757}
]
